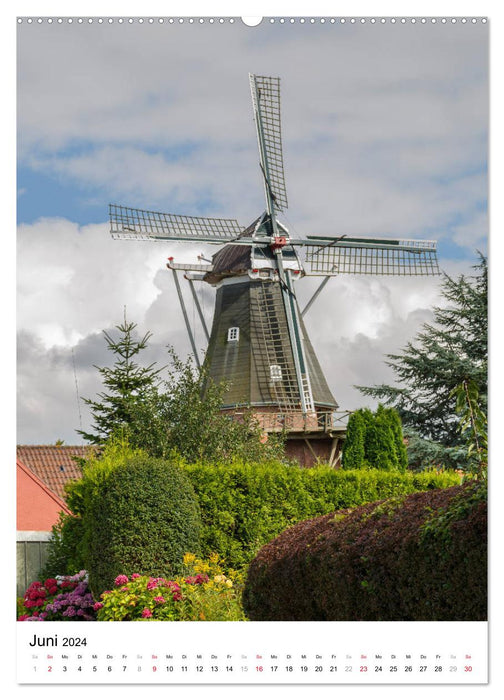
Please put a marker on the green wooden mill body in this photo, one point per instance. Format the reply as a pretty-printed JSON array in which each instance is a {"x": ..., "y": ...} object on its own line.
[
  {"x": 258, "y": 342},
  {"x": 250, "y": 342}
]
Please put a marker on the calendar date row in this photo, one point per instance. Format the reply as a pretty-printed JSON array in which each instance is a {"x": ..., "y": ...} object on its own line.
[{"x": 263, "y": 669}]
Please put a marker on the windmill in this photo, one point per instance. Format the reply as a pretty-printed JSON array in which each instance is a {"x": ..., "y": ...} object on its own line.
[{"x": 258, "y": 341}]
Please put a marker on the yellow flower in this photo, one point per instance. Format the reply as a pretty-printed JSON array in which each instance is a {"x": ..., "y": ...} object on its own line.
[
  {"x": 229, "y": 583},
  {"x": 201, "y": 567},
  {"x": 189, "y": 558}
]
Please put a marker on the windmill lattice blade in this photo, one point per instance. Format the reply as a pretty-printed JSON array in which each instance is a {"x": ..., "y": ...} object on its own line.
[
  {"x": 357, "y": 257},
  {"x": 138, "y": 224},
  {"x": 266, "y": 102}
]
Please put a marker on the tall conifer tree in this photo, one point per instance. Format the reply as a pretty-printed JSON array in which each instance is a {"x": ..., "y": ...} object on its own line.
[
  {"x": 451, "y": 350},
  {"x": 128, "y": 385}
]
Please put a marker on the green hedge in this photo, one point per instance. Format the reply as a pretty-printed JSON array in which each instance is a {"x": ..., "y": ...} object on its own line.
[
  {"x": 244, "y": 506},
  {"x": 142, "y": 519},
  {"x": 416, "y": 557}
]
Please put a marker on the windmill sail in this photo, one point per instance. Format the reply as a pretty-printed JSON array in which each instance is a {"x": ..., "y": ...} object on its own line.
[
  {"x": 361, "y": 256},
  {"x": 139, "y": 224},
  {"x": 266, "y": 103}
]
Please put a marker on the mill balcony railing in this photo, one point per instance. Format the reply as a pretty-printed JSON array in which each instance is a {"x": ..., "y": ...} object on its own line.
[{"x": 296, "y": 421}]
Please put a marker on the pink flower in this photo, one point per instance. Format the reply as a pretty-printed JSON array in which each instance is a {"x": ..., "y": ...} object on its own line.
[
  {"x": 121, "y": 579},
  {"x": 97, "y": 606},
  {"x": 177, "y": 596},
  {"x": 159, "y": 599},
  {"x": 152, "y": 584},
  {"x": 146, "y": 612},
  {"x": 133, "y": 576}
]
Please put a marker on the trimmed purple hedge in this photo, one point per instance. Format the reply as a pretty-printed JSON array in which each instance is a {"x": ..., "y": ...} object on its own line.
[{"x": 416, "y": 557}]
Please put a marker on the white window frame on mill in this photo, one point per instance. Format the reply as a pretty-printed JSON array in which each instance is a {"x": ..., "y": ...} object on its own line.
[
  {"x": 233, "y": 335},
  {"x": 275, "y": 373}
]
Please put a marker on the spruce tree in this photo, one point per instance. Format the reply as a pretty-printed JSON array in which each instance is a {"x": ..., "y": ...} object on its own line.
[
  {"x": 128, "y": 384},
  {"x": 451, "y": 350}
]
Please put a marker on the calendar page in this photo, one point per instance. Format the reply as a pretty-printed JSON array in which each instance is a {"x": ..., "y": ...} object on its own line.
[{"x": 252, "y": 350}]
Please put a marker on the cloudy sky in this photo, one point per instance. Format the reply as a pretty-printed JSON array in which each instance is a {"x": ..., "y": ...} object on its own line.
[{"x": 384, "y": 130}]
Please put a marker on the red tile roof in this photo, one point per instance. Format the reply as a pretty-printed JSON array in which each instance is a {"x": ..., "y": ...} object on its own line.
[{"x": 53, "y": 464}]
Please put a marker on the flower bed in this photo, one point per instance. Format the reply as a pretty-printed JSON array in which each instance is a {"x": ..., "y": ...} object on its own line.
[
  {"x": 204, "y": 593},
  {"x": 60, "y": 598}
]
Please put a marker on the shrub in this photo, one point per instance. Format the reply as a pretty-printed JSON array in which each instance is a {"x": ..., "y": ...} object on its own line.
[
  {"x": 61, "y": 598},
  {"x": 65, "y": 547},
  {"x": 143, "y": 518},
  {"x": 204, "y": 592},
  {"x": 375, "y": 440},
  {"x": 353, "y": 447},
  {"x": 244, "y": 506},
  {"x": 415, "y": 557}
]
